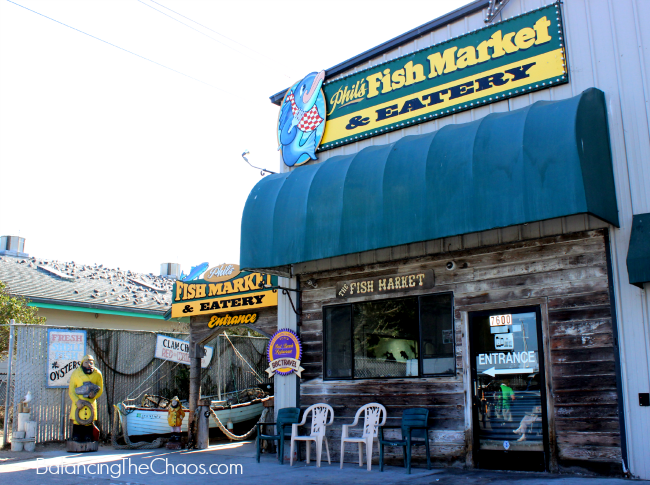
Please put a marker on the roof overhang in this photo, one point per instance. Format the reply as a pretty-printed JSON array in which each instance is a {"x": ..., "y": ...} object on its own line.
[
  {"x": 75, "y": 306},
  {"x": 550, "y": 159}
]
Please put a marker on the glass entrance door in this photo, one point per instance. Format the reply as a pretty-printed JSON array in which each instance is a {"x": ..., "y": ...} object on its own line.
[{"x": 509, "y": 402}]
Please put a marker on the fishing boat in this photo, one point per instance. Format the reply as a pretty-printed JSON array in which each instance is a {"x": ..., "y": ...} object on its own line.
[{"x": 143, "y": 420}]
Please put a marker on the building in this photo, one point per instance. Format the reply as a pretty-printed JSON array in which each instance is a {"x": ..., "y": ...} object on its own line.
[
  {"x": 460, "y": 243},
  {"x": 70, "y": 294}
]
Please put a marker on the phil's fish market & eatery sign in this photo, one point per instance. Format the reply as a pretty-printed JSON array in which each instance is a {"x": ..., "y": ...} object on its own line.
[
  {"x": 511, "y": 58},
  {"x": 244, "y": 291}
]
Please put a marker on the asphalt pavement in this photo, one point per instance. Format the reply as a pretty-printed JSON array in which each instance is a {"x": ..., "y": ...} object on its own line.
[{"x": 234, "y": 463}]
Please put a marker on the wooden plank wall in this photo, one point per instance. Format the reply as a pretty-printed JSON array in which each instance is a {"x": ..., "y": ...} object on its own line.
[{"x": 569, "y": 271}]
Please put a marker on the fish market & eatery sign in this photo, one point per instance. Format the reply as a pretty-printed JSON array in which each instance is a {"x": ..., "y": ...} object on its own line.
[
  {"x": 177, "y": 350},
  {"x": 65, "y": 349},
  {"x": 222, "y": 291},
  {"x": 510, "y": 58}
]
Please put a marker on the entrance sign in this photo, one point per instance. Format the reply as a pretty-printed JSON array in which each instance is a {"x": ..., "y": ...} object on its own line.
[
  {"x": 422, "y": 280},
  {"x": 65, "y": 349},
  {"x": 228, "y": 320},
  {"x": 510, "y": 58},
  {"x": 284, "y": 353},
  {"x": 177, "y": 350}
]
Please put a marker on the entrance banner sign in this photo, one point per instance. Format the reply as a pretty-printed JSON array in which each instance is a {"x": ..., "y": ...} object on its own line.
[
  {"x": 65, "y": 348},
  {"x": 243, "y": 291},
  {"x": 510, "y": 58},
  {"x": 284, "y": 353},
  {"x": 177, "y": 350},
  {"x": 423, "y": 280},
  {"x": 229, "y": 320}
]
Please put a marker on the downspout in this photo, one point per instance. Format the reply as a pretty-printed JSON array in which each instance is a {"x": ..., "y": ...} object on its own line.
[{"x": 617, "y": 357}]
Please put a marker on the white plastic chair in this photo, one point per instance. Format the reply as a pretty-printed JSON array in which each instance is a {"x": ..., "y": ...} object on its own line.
[
  {"x": 374, "y": 415},
  {"x": 322, "y": 415}
]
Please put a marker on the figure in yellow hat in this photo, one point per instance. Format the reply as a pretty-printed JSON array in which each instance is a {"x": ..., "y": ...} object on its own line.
[
  {"x": 86, "y": 385},
  {"x": 175, "y": 415}
]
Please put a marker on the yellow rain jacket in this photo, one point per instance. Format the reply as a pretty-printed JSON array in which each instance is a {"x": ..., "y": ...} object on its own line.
[
  {"x": 77, "y": 379},
  {"x": 175, "y": 416}
]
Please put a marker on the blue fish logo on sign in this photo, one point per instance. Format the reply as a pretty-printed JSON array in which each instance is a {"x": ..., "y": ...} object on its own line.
[
  {"x": 302, "y": 120},
  {"x": 195, "y": 272}
]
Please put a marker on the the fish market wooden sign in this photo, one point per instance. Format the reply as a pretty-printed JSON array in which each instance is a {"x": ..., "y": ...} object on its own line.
[
  {"x": 507, "y": 59},
  {"x": 422, "y": 280}
]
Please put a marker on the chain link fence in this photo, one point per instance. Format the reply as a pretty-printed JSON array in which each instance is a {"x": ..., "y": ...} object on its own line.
[{"x": 130, "y": 370}]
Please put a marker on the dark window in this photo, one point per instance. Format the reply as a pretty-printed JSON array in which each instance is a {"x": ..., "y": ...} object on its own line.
[
  {"x": 401, "y": 337},
  {"x": 338, "y": 327}
]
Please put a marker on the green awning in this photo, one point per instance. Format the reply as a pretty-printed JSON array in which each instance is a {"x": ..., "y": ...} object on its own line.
[
  {"x": 638, "y": 254},
  {"x": 547, "y": 160}
]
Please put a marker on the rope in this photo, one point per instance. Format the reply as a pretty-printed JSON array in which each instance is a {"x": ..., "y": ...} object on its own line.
[
  {"x": 235, "y": 437},
  {"x": 242, "y": 358},
  {"x": 141, "y": 445},
  {"x": 148, "y": 377}
]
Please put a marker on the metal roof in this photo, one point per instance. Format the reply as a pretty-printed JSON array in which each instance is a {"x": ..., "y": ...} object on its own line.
[
  {"x": 395, "y": 42},
  {"x": 86, "y": 286}
]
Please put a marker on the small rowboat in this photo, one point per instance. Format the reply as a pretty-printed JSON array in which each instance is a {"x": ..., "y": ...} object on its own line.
[{"x": 146, "y": 421}]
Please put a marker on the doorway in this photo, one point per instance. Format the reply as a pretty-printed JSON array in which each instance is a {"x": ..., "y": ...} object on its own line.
[{"x": 508, "y": 389}]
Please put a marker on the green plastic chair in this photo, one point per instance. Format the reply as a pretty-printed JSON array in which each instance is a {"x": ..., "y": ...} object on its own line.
[
  {"x": 414, "y": 425},
  {"x": 286, "y": 417}
]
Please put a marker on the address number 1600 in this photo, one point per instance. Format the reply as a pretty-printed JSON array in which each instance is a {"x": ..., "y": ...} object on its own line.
[{"x": 498, "y": 320}]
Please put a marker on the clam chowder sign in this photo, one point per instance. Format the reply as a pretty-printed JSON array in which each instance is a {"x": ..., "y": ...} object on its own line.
[{"x": 177, "y": 350}]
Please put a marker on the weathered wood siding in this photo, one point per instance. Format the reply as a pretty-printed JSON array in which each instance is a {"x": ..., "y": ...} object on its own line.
[{"x": 569, "y": 272}]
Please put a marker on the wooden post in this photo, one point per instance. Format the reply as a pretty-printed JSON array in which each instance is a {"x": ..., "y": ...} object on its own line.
[
  {"x": 196, "y": 352},
  {"x": 203, "y": 434}
]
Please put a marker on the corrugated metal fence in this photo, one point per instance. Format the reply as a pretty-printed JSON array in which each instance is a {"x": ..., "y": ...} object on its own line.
[{"x": 130, "y": 370}]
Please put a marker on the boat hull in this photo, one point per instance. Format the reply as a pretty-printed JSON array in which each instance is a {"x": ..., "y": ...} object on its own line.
[{"x": 144, "y": 421}]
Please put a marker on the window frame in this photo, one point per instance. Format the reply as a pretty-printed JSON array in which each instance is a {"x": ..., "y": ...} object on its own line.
[{"x": 420, "y": 354}]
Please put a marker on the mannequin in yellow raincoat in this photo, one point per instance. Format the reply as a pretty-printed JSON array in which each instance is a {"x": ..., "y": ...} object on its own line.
[
  {"x": 175, "y": 415},
  {"x": 81, "y": 375}
]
